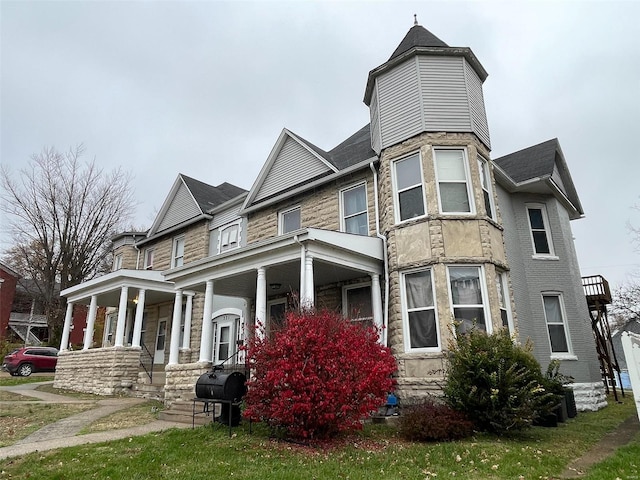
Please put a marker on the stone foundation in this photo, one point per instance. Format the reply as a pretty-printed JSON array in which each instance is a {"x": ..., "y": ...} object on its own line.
[
  {"x": 590, "y": 397},
  {"x": 101, "y": 371},
  {"x": 181, "y": 381}
]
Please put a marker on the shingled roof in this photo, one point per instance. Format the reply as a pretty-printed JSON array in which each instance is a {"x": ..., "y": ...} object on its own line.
[
  {"x": 531, "y": 162},
  {"x": 208, "y": 196},
  {"x": 417, "y": 36}
]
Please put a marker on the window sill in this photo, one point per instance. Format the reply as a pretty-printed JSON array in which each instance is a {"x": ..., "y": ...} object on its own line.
[
  {"x": 545, "y": 257},
  {"x": 563, "y": 356}
]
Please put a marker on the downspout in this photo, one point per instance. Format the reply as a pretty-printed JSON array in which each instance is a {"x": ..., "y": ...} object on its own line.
[{"x": 385, "y": 314}]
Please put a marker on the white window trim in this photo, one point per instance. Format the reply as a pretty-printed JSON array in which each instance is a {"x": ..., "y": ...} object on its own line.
[
  {"x": 343, "y": 223},
  {"x": 484, "y": 162},
  {"x": 224, "y": 227},
  {"x": 345, "y": 305},
  {"x": 281, "y": 215},
  {"x": 405, "y": 313},
  {"x": 485, "y": 298},
  {"x": 174, "y": 250},
  {"x": 547, "y": 228},
  {"x": 504, "y": 282},
  {"x": 148, "y": 251},
  {"x": 396, "y": 193},
  {"x": 570, "y": 355},
  {"x": 467, "y": 172},
  {"x": 117, "y": 262}
]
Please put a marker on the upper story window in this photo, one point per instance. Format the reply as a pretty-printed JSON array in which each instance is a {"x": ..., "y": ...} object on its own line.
[
  {"x": 353, "y": 202},
  {"x": 229, "y": 237},
  {"x": 487, "y": 192},
  {"x": 117, "y": 262},
  {"x": 540, "y": 233},
  {"x": 408, "y": 188},
  {"x": 454, "y": 193},
  {"x": 468, "y": 300},
  {"x": 149, "y": 253},
  {"x": 289, "y": 220},
  {"x": 177, "y": 255},
  {"x": 419, "y": 312},
  {"x": 556, "y": 325},
  {"x": 356, "y": 303}
]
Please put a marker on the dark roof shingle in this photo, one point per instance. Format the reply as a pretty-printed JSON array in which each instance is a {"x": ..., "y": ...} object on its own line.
[
  {"x": 417, "y": 36},
  {"x": 208, "y": 196},
  {"x": 529, "y": 163}
]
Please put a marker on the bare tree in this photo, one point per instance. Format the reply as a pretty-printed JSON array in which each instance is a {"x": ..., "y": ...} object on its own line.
[
  {"x": 63, "y": 212},
  {"x": 626, "y": 304}
]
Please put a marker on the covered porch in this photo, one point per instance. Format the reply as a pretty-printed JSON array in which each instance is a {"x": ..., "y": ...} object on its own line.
[
  {"x": 110, "y": 363},
  {"x": 307, "y": 268}
]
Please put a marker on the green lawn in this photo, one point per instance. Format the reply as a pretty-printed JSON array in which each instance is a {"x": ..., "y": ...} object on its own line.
[{"x": 376, "y": 453}]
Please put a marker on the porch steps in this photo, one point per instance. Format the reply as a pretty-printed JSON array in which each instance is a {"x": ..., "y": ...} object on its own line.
[
  {"x": 181, "y": 411},
  {"x": 154, "y": 391}
]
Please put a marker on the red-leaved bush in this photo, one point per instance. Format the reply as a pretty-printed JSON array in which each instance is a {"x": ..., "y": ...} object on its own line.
[{"x": 319, "y": 375}]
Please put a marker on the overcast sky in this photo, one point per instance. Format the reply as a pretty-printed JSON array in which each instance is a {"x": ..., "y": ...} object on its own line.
[{"x": 204, "y": 88}]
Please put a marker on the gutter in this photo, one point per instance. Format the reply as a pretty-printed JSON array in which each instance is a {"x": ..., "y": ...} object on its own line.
[{"x": 385, "y": 313}]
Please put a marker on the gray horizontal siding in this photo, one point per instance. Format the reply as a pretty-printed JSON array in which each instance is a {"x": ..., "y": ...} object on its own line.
[
  {"x": 476, "y": 105},
  {"x": 399, "y": 104},
  {"x": 183, "y": 207},
  {"x": 225, "y": 217},
  {"x": 293, "y": 165},
  {"x": 375, "y": 123}
]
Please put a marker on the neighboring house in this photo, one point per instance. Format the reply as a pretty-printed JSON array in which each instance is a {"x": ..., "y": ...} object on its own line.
[
  {"x": 8, "y": 282},
  {"x": 407, "y": 224},
  {"x": 632, "y": 326}
]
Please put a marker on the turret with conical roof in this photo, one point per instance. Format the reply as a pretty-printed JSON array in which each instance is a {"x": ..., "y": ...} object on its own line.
[{"x": 426, "y": 86}]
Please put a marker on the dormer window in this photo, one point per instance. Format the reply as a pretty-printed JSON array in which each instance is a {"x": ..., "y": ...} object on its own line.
[
  {"x": 289, "y": 220},
  {"x": 148, "y": 258},
  {"x": 177, "y": 256},
  {"x": 229, "y": 237}
]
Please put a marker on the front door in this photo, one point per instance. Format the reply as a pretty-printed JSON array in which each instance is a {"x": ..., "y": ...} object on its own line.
[
  {"x": 160, "y": 341},
  {"x": 225, "y": 346}
]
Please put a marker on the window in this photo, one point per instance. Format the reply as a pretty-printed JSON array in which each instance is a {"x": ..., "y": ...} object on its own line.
[
  {"x": 554, "y": 315},
  {"x": 467, "y": 298},
  {"x": 540, "y": 235},
  {"x": 353, "y": 202},
  {"x": 148, "y": 258},
  {"x": 229, "y": 237},
  {"x": 419, "y": 312},
  {"x": 110, "y": 329},
  {"x": 225, "y": 328},
  {"x": 503, "y": 300},
  {"x": 453, "y": 187},
  {"x": 117, "y": 262},
  {"x": 409, "y": 195},
  {"x": 289, "y": 220},
  {"x": 356, "y": 303},
  {"x": 277, "y": 315},
  {"x": 485, "y": 181},
  {"x": 177, "y": 258}
]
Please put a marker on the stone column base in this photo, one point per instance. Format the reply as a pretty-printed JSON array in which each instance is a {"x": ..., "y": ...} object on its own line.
[{"x": 590, "y": 397}]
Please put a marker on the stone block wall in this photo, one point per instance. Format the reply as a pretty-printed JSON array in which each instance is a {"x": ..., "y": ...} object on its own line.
[
  {"x": 101, "y": 371},
  {"x": 181, "y": 381},
  {"x": 590, "y": 397}
]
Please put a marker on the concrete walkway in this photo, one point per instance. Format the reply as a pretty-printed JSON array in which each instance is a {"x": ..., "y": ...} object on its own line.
[{"x": 64, "y": 433}]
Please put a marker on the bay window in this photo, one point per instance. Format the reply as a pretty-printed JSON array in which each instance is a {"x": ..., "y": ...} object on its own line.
[
  {"x": 468, "y": 301},
  {"x": 408, "y": 188},
  {"x": 452, "y": 175},
  {"x": 419, "y": 312}
]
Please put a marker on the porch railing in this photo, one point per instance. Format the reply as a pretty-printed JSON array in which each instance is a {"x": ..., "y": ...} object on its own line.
[{"x": 146, "y": 361}]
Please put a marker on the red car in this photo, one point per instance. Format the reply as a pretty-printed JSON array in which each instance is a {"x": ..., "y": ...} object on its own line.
[{"x": 24, "y": 361}]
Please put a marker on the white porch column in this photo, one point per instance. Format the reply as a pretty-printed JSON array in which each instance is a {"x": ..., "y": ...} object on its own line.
[
  {"x": 174, "y": 346},
  {"x": 68, "y": 318},
  {"x": 303, "y": 254},
  {"x": 308, "y": 300},
  {"x": 261, "y": 300},
  {"x": 137, "y": 324},
  {"x": 91, "y": 321},
  {"x": 122, "y": 316},
  {"x": 186, "y": 339},
  {"x": 376, "y": 304},
  {"x": 206, "y": 340}
]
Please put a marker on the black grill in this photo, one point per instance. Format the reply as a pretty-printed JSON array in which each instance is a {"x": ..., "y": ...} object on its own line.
[{"x": 225, "y": 388}]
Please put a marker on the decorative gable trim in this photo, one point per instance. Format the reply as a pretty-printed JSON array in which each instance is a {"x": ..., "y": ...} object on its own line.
[{"x": 291, "y": 162}]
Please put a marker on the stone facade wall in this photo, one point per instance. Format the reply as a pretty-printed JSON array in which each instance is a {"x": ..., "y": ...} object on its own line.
[
  {"x": 101, "y": 371},
  {"x": 196, "y": 246},
  {"x": 436, "y": 241},
  {"x": 590, "y": 397},
  {"x": 318, "y": 209},
  {"x": 129, "y": 256},
  {"x": 181, "y": 381}
]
